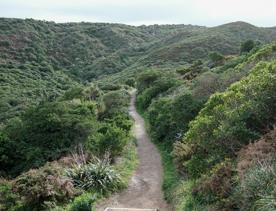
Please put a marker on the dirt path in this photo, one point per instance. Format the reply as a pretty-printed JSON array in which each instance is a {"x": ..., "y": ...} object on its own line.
[{"x": 144, "y": 190}]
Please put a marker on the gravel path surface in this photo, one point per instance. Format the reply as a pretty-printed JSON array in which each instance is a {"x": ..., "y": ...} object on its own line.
[{"x": 145, "y": 187}]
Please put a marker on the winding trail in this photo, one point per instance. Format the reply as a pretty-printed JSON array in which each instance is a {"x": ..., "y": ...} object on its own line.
[{"x": 145, "y": 188}]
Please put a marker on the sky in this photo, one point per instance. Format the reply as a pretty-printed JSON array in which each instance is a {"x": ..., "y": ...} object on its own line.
[{"x": 138, "y": 12}]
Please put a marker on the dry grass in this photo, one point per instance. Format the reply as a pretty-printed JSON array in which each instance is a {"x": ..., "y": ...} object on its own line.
[{"x": 261, "y": 151}]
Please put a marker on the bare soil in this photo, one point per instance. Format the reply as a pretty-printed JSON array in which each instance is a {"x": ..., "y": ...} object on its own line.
[{"x": 145, "y": 187}]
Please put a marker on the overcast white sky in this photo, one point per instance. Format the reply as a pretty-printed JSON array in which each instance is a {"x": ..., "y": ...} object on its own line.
[{"x": 137, "y": 12}]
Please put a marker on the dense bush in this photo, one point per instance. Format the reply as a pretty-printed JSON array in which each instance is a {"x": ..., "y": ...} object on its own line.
[
  {"x": 216, "y": 58},
  {"x": 108, "y": 139},
  {"x": 115, "y": 102},
  {"x": 44, "y": 186},
  {"x": 83, "y": 203},
  {"x": 155, "y": 88},
  {"x": 169, "y": 118},
  {"x": 45, "y": 133},
  {"x": 247, "y": 46},
  {"x": 230, "y": 120},
  {"x": 9, "y": 200}
]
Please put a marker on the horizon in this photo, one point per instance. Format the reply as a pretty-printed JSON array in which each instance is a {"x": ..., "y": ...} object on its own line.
[
  {"x": 159, "y": 24},
  {"x": 136, "y": 13}
]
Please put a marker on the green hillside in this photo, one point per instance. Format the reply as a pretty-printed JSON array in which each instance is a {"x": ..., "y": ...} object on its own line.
[
  {"x": 207, "y": 95},
  {"x": 209, "y": 126}
]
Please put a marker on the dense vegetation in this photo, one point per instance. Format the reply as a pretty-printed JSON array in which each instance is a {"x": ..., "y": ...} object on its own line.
[
  {"x": 209, "y": 128},
  {"x": 77, "y": 129},
  {"x": 207, "y": 94}
]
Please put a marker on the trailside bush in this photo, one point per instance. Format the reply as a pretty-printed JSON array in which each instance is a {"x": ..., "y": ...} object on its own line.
[
  {"x": 216, "y": 187},
  {"x": 38, "y": 187},
  {"x": 231, "y": 119},
  {"x": 157, "y": 87},
  {"x": 115, "y": 102},
  {"x": 145, "y": 79},
  {"x": 169, "y": 118},
  {"x": 47, "y": 132},
  {"x": 108, "y": 139},
  {"x": 83, "y": 203}
]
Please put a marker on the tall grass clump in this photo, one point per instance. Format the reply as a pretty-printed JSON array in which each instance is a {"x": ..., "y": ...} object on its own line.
[{"x": 97, "y": 176}]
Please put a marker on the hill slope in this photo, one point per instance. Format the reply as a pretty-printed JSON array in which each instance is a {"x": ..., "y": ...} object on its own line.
[{"x": 37, "y": 55}]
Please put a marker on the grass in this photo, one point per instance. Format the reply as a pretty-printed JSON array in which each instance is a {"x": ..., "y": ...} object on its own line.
[{"x": 125, "y": 167}]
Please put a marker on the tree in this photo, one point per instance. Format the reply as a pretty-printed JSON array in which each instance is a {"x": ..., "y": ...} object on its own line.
[
  {"x": 247, "y": 46},
  {"x": 216, "y": 58}
]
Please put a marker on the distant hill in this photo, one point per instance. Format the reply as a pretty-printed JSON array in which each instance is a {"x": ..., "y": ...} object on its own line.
[{"x": 40, "y": 60}]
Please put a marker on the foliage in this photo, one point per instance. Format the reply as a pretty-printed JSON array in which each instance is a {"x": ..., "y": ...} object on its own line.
[
  {"x": 46, "y": 184},
  {"x": 115, "y": 102},
  {"x": 247, "y": 46},
  {"x": 8, "y": 198},
  {"x": 169, "y": 118},
  {"x": 45, "y": 133},
  {"x": 83, "y": 202},
  {"x": 258, "y": 186},
  {"x": 98, "y": 176},
  {"x": 153, "y": 90},
  {"x": 108, "y": 139},
  {"x": 231, "y": 119},
  {"x": 216, "y": 58}
]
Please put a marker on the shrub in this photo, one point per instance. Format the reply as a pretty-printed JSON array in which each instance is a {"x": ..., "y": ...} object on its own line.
[
  {"x": 145, "y": 79},
  {"x": 217, "y": 186},
  {"x": 48, "y": 131},
  {"x": 169, "y": 118},
  {"x": 98, "y": 176},
  {"x": 115, "y": 102},
  {"x": 157, "y": 87},
  {"x": 247, "y": 46},
  {"x": 41, "y": 186},
  {"x": 122, "y": 121},
  {"x": 8, "y": 199},
  {"x": 274, "y": 47},
  {"x": 216, "y": 58},
  {"x": 231, "y": 119},
  {"x": 83, "y": 203},
  {"x": 109, "y": 139},
  {"x": 262, "y": 150}
]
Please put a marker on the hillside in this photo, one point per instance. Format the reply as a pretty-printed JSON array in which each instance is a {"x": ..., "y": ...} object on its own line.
[
  {"x": 207, "y": 95},
  {"x": 213, "y": 121},
  {"x": 62, "y": 55}
]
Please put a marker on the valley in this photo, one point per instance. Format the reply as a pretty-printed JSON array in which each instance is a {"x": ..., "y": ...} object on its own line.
[{"x": 198, "y": 132}]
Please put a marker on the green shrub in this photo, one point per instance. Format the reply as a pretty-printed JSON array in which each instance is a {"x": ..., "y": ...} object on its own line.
[
  {"x": 274, "y": 47},
  {"x": 169, "y": 118},
  {"x": 98, "y": 176},
  {"x": 9, "y": 200},
  {"x": 247, "y": 46},
  {"x": 217, "y": 187},
  {"x": 231, "y": 119},
  {"x": 216, "y": 58},
  {"x": 83, "y": 203},
  {"x": 157, "y": 87},
  {"x": 108, "y": 139},
  {"x": 47, "y": 132},
  {"x": 115, "y": 102},
  {"x": 145, "y": 79}
]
